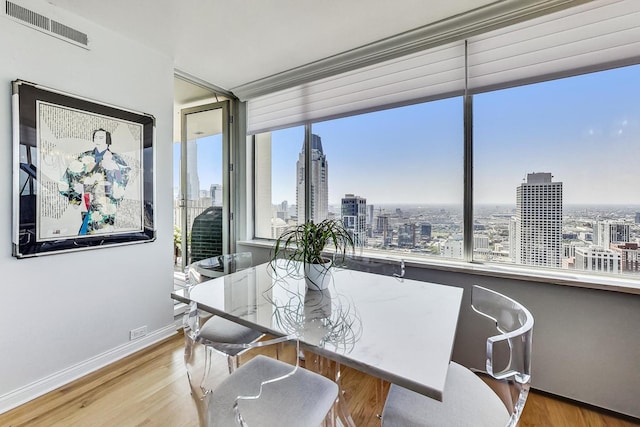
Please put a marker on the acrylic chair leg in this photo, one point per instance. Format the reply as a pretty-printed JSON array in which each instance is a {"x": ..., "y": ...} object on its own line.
[
  {"x": 344, "y": 414},
  {"x": 197, "y": 371},
  {"x": 330, "y": 419},
  {"x": 380, "y": 397},
  {"x": 340, "y": 413}
]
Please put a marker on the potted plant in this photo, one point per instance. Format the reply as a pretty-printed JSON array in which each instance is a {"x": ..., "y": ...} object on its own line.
[{"x": 305, "y": 244}]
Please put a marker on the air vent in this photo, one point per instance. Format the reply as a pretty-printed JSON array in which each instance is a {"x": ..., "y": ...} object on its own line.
[
  {"x": 27, "y": 16},
  {"x": 46, "y": 25},
  {"x": 68, "y": 32}
]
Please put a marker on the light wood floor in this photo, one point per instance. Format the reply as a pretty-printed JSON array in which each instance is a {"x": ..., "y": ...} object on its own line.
[{"x": 150, "y": 388}]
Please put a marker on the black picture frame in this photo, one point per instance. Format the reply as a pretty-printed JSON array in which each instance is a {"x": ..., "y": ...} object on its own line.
[{"x": 83, "y": 173}]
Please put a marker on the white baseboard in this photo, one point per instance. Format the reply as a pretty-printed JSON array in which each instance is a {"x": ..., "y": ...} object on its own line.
[{"x": 38, "y": 388}]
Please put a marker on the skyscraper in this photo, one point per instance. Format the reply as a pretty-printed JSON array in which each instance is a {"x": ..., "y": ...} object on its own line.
[
  {"x": 193, "y": 180},
  {"x": 607, "y": 232},
  {"x": 538, "y": 221},
  {"x": 407, "y": 235},
  {"x": 319, "y": 182},
  {"x": 354, "y": 217},
  {"x": 382, "y": 227},
  {"x": 425, "y": 231}
]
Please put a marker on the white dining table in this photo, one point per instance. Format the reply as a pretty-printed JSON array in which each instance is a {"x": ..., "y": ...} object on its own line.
[{"x": 399, "y": 330}]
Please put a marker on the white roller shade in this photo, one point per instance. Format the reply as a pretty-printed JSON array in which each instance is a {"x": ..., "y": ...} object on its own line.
[
  {"x": 584, "y": 38},
  {"x": 589, "y": 37},
  {"x": 431, "y": 74}
]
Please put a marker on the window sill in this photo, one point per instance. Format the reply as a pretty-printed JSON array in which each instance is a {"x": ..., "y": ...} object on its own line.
[{"x": 565, "y": 278}]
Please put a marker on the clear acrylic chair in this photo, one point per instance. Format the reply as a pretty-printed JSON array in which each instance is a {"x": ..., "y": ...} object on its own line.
[
  {"x": 370, "y": 265},
  {"x": 262, "y": 392},
  {"x": 216, "y": 328},
  {"x": 492, "y": 399}
]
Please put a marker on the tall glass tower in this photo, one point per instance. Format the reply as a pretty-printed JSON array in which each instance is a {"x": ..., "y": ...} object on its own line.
[
  {"x": 538, "y": 221},
  {"x": 354, "y": 218},
  {"x": 319, "y": 182}
]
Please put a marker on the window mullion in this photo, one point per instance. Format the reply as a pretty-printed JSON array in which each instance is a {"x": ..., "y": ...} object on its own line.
[{"x": 307, "y": 173}]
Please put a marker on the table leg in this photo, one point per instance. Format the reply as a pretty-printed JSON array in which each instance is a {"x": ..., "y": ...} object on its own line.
[{"x": 331, "y": 370}]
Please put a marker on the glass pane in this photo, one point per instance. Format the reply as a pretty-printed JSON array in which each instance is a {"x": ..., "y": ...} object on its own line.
[
  {"x": 395, "y": 177},
  {"x": 554, "y": 167},
  {"x": 204, "y": 193},
  {"x": 279, "y": 181},
  {"x": 177, "y": 212}
]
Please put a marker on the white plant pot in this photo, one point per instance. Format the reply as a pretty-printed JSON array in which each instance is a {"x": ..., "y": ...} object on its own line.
[
  {"x": 317, "y": 305},
  {"x": 317, "y": 276}
]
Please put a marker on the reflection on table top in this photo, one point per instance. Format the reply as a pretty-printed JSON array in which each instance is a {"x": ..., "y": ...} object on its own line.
[{"x": 397, "y": 329}]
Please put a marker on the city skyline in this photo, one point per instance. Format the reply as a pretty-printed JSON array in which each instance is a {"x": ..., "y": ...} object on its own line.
[{"x": 584, "y": 128}]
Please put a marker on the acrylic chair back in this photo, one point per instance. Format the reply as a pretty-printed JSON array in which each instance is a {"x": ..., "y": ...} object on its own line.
[
  {"x": 217, "y": 328},
  {"x": 263, "y": 391},
  {"x": 210, "y": 268},
  {"x": 508, "y": 356}
]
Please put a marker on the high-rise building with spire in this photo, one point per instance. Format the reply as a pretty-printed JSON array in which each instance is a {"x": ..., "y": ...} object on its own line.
[
  {"x": 319, "y": 182},
  {"x": 538, "y": 221}
]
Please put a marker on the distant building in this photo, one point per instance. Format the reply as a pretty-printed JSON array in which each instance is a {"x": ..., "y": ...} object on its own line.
[
  {"x": 215, "y": 192},
  {"x": 283, "y": 210},
  {"x": 481, "y": 247},
  {"x": 512, "y": 238},
  {"x": 538, "y": 221},
  {"x": 425, "y": 231},
  {"x": 595, "y": 258},
  {"x": 569, "y": 263},
  {"x": 569, "y": 249},
  {"x": 206, "y": 234},
  {"x": 407, "y": 235},
  {"x": 586, "y": 236},
  {"x": 319, "y": 182},
  {"x": 383, "y": 228},
  {"x": 629, "y": 256},
  {"x": 453, "y": 248},
  {"x": 637, "y": 217},
  {"x": 193, "y": 180},
  {"x": 278, "y": 226},
  {"x": 480, "y": 242},
  {"x": 354, "y": 217},
  {"x": 607, "y": 232}
]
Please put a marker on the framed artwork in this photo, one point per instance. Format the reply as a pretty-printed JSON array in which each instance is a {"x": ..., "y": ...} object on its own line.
[{"x": 82, "y": 171}]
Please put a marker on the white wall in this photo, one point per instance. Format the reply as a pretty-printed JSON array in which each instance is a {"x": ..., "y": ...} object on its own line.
[
  {"x": 64, "y": 314},
  {"x": 586, "y": 342}
]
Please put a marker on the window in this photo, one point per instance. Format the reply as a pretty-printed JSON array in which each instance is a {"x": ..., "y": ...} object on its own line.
[
  {"x": 554, "y": 164},
  {"x": 550, "y": 167},
  {"x": 278, "y": 182},
  {"x": 395, "y": 177}
]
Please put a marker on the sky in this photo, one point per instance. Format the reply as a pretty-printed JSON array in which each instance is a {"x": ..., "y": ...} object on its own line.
[
  {"x": 585, "y": 130},
  {"x": 209, "y": 161}
]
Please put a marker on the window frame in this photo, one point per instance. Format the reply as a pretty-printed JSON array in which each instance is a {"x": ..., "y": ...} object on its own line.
[{"x": 469, "y": 265}]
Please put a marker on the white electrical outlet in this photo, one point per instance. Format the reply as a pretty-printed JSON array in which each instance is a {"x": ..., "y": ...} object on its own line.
[{"x": 138, "y": 332}]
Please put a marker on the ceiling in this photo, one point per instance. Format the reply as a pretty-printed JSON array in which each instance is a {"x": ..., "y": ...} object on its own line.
[{"x": 232, "y": 43}]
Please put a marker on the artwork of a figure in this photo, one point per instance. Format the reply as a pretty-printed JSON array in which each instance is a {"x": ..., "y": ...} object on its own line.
[{"x": 95, "y": 182}]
